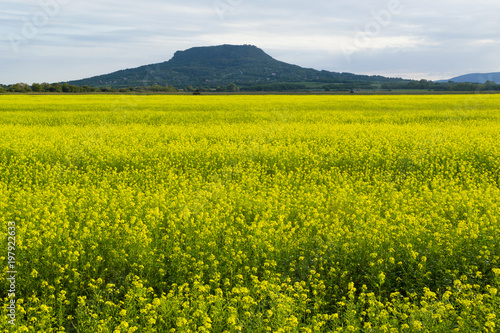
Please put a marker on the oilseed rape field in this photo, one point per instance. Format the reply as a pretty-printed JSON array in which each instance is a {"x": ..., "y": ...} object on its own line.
[{"x": 178, "y": 213}]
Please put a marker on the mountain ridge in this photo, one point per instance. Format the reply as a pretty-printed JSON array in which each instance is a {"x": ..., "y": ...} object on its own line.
[
  {"x": 212, "y": 66},
  {"x": 475, "y": 78}
]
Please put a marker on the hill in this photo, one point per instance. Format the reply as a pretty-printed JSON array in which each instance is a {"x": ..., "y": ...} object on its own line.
[
  {"x": 212, "y": 66},
  {"x": 475, "y": 78}
]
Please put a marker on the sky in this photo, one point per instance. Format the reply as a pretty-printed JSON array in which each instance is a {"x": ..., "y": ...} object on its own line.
[{"x": 61, "y": 40}]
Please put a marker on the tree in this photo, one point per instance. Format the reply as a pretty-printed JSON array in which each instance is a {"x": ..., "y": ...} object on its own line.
[
  {"x": 232, "y": 88},
  {"x": 20, "y": 88},
  {"x": 36, "y": 87},
  {"x": 56, "y": 87},
  {"x": 170, "y": 88},
  {"x": 156, "y": 88},
  {"x": 66, "y": 88},
  {"x": 46, "y": 87},
  {"x": 76, "y": 89},
  {"x": 491, "y": 85}
]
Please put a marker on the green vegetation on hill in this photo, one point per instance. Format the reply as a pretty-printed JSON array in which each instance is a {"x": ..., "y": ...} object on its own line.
[{"x": 243, "y": 65}]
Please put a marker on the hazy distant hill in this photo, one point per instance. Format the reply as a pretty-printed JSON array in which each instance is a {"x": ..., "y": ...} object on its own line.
[
  {"x": 213, "y": 66},
  {"x": 476, "y": 78}
]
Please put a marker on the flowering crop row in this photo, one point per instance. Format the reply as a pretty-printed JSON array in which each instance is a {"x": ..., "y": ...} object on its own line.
[{"x": 252, "y": 213}]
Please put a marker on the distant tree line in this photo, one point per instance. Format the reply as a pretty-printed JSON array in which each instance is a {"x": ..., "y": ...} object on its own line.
[
  {"x": 229, "y": 88},
  {"x": 67, "y": 88},
  {"x": 232, "y": 87},
  {"x": 270, "y": 87},
  {"x": 448, "y": 86},
  {"x": 413, "y": 85},
  {"x": 343, "y": 86},
  {"x": 275, "y": 87}
]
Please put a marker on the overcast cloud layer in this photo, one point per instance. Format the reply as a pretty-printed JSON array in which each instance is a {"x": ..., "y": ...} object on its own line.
[{"x": 59, "y": 40}]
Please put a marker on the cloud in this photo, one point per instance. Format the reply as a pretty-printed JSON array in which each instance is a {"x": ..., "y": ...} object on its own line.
[{"x": 85, "y": 38}]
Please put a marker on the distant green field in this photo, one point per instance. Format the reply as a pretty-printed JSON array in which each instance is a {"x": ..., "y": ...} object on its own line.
[{"x": 250, "y": 213}]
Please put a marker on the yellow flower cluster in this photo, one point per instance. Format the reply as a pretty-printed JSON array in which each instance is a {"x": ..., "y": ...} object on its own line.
[{"x": 252, "y": 213}]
